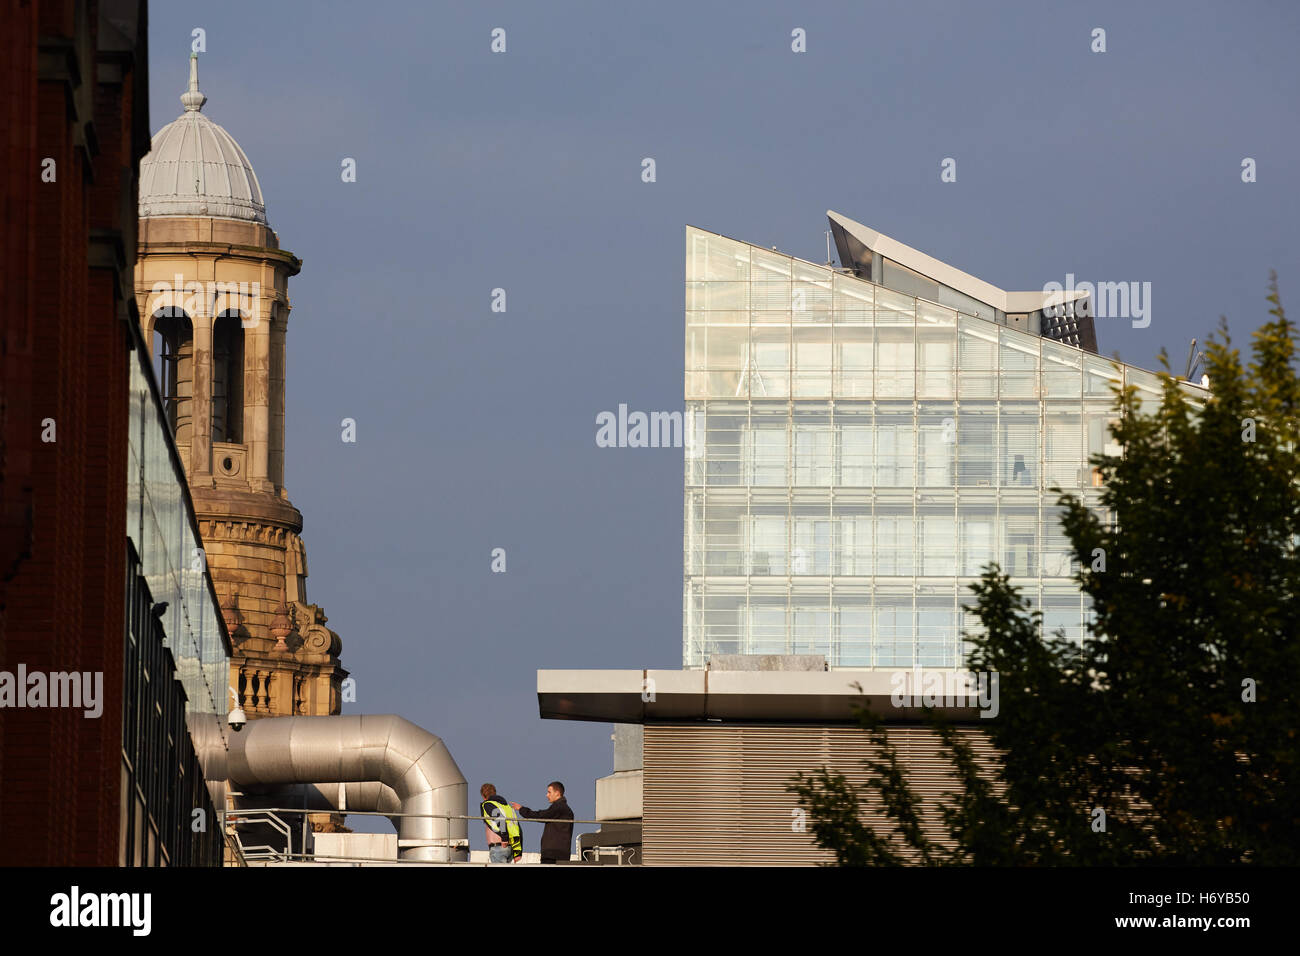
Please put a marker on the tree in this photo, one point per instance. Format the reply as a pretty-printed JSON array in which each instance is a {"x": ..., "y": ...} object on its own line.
[{"x": 1169, "y": 735}]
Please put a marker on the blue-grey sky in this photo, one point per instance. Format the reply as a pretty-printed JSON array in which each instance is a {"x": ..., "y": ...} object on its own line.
[{"x": 522, "y": 170}]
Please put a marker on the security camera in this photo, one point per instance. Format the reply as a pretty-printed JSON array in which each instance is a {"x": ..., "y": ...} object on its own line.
[{"x": 236, "y": 719}]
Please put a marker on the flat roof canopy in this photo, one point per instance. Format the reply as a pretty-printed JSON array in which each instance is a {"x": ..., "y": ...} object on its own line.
[{"x": 652, "y": 696}]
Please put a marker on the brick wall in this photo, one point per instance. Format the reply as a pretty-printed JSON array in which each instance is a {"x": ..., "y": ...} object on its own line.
[{"x": 76, "y": 94}]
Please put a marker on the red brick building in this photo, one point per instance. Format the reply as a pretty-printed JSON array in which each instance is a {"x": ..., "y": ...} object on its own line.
[{"x": 74, "y": 121}]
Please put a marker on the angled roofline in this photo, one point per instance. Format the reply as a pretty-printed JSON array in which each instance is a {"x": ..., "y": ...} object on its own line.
[
  {"x": 941, "y": 272},
  {"x": 1107, "y": 358}
]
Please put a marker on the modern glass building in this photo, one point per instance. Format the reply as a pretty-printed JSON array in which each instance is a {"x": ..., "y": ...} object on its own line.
[
  {"x": 176, "y": 653},
  {"x": 863, "y": 441}
]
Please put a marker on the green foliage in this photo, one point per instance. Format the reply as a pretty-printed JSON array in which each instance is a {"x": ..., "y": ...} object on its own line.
[{"x": 1150, "y": 719}]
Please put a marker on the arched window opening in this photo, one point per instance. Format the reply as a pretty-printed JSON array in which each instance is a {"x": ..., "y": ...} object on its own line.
[
  {"x": 227, "y": 378},
  {"x": 173, "y": 350}
]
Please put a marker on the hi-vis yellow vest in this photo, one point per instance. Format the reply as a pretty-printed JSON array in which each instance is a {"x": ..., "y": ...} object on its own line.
[{"x": 514, "y": 833}]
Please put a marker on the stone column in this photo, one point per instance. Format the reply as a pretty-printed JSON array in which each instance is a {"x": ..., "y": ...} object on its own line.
[
  {"x": 257, "y": 414},
  {"x": 277, "y": 380},
  {"x": 201, "y": 399}
]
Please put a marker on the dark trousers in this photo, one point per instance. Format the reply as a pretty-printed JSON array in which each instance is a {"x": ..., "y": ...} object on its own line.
[{"x": 548, "y": 859}]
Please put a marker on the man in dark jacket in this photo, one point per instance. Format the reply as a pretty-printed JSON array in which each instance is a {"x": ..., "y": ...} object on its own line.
[{"x": 556, "y": 837}]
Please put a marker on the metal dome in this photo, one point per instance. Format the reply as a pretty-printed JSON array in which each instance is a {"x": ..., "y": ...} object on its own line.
[{"x": 195, "y": 168}]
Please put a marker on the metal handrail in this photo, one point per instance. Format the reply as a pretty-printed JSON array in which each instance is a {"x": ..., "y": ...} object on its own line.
[
  {"x": 259, "y": 816},
  {"x": 397, "y": 813},
  {"x": 269, "y": 815}
]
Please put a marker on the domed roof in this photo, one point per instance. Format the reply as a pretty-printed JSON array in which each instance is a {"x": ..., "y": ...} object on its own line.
[{"x": 195, "y": 168}]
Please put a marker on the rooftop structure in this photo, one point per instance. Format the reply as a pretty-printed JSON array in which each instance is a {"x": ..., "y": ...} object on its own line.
[
  {"x": 861, "y": 448},
  {"x": 1064, "y": 315},
  {"x": 195, "y": 168}
]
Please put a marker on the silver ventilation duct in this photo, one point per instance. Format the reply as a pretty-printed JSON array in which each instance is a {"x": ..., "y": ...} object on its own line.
[{"x": 387, "y": 763}]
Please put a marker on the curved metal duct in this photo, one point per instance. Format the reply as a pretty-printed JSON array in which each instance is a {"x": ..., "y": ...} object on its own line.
[{"x": 388, "y": 763}]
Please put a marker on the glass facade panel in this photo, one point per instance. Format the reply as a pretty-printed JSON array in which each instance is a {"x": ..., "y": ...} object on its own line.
[
  {"x": 977, "y": 358},
  {"x": 853, "y": 302},
  {"x": 1148, "y": 387},
  {"x": 852, "y": 616},
  {"x": 853, "y": 369},
  {"x": 856, "y": 444},
  {"x": 895, "y": 361},
  {"x": 768, "y": 624},
  {"x": 814, "y": 463},
  {"x": 172, "y": 561},
  {"x": 812, "y": 361},
  {"x": 977, "y": 519},
  {"x": 1018, "y": 365},
  {"x": 863, "y": 455},
  {"x": 976, "y": 445},
  {"x": 1062, "y": 371},
  {"x": 1100, "y": 376}
]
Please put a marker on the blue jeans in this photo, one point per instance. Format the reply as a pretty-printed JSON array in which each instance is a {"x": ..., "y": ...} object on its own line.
[{"x": 498, "y": 853}]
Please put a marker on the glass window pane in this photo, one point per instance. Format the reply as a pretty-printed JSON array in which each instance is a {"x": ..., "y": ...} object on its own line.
[
  {"x": 722, "y": 618},
  {"x": 1150, "y": 391},
  {"x": 769, "y": 266},
  {"x": 767, "y": 623},
  {"x": 1020, "y": 539},
  {"x": 724, "y": 444},
  {"x": 977, "y": 358},
  {"x": 976, "y": 445},
  {"x": 856, "y": 445},
  {"x": 936, "y": 453},
  {"x": 854, "y": 362},
  {"x": 895, "y": 630},
  {"x": 769, "y": 367},
  {"x": 1062, "y": 371},
  {"x": 895, "y": 545},
  {"x": 768, "y": 545},
  {"x": 936, "y": 632},
  {"x": 895, "y": 447},
  {"x": 1063, "y": 449},
  {"x": 978, "y": 520},
  {"x": 724, "y": 521},
  {"x": 715, "y": 257},
  {"x": 813, "y": 463},
  {"x": 853, "y": 300},
  {"x": 812, "y": 361},
  {"x": 726, "y": 347},
  {"x": 854, "y": 542},
  {"x": 938, "y": 540},
  {"x": 812, "y": 631},
  {"x": 895, "y": 362},
  {"x": 1100, "y": 376},
  {"x": 810, "y": 295},
  {"x": 854, "y": 638},
  {"x": 1018, "y": 365},
  {"x": 1018, "y": 449}
]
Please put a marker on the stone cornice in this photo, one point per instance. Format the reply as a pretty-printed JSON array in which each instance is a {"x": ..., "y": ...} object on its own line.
[
  {"x": 245, "y": 508},
  {"x": 229, "y": 249}
]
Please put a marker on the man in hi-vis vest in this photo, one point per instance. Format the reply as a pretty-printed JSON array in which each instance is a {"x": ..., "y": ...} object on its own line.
[{"x": 505, "y": 837}]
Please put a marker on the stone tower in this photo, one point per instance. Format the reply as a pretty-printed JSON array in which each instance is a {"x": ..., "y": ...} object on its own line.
[{"x": 211, "y": 281}]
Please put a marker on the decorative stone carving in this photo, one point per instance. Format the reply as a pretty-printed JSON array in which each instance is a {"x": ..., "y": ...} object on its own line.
[{"x": 281, "y": 626}]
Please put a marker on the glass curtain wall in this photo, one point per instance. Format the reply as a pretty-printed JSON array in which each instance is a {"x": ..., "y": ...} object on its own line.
[
  {"x": 160, "y": 521},
  {"x": 858, "y": 457}
]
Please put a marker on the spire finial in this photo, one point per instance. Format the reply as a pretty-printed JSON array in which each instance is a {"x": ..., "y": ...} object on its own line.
[{"x": 192, "y": 99}]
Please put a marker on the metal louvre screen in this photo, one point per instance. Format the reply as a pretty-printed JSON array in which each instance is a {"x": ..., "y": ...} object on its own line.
[{"x": 715, "y": 795}]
